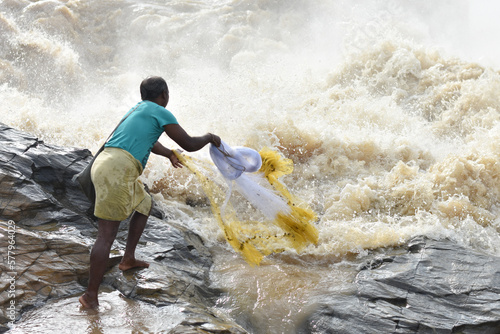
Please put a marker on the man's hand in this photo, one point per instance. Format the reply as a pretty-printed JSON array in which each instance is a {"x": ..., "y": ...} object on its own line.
[
  {"x": 163, "y": 151},
  {"x": 215, "y": 139},
  {"x": 175, "y": 162}
]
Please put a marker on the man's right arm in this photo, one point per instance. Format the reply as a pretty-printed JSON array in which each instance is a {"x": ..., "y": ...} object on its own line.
[{"x": 188, "y": 143}]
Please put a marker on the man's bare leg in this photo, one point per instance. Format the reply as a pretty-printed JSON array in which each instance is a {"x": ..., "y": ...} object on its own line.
[
  {"x": 99, "y": 257},
  {"x": 136, "y": 227}
]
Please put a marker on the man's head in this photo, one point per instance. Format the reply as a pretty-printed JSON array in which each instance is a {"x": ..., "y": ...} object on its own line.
[{"x": 153, "y": 88}]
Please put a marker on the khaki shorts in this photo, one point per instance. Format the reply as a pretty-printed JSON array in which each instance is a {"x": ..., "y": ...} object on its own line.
[{"x": 115, "y": 176}]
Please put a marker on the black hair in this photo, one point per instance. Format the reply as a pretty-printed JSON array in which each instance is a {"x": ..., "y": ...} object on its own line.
[{"x": 152, "y": 87}]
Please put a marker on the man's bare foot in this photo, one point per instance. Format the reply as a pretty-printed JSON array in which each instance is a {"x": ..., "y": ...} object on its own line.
[
  {"x": 133, "y": 263},
  {"x": 88, "y": 302}
]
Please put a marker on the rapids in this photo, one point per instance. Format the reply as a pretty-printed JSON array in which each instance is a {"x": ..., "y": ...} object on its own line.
[{"x": 390, "y": 113}]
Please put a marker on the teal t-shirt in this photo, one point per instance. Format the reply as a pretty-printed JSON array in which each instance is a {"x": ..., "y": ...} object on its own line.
[{"x": 138, "y": 133}]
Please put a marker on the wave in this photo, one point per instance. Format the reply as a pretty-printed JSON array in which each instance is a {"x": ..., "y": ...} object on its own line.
[{"x": 391, "y": 134}]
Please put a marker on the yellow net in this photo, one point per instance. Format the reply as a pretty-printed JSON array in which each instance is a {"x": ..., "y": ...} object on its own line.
[{"x": 255, "y": 239}]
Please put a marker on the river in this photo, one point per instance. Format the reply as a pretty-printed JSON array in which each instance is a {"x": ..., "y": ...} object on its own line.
[{"x": 388, "y": 109}]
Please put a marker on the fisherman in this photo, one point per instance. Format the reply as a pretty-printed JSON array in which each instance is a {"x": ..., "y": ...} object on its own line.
[{"x": 115, "y": 175}]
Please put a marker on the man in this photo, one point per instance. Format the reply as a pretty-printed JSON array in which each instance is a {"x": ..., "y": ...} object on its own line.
[{"x": 115, "y": 175}]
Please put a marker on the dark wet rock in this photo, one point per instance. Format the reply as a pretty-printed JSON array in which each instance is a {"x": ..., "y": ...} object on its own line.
[
  {"x": 55, "y": 230},
  {"x": 179, "y": 267},
  {"x": 37, "y": 189},
  {"x": 178, "y": 274},
  {"x": 438, "y": 286},
  {"x": 54, "y": 265},
  {"x": 36, "y": 186},
  {"x": 201, "y": 325},
  {"x": 41, "y": 265}
]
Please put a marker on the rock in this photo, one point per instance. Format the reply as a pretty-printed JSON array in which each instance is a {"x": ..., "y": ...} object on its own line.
[
  {"x": 42, "y": 265},
  {"x": 36, "y": 186},
  {"x": 196, "y": 326},
  {"x": 178, "y": 275},
  {"x": 180, "y": 267},
  {"x": 438, "y": 286},
  {"x": 49, "y": 265},
  {"x": 55, "y": 230}
]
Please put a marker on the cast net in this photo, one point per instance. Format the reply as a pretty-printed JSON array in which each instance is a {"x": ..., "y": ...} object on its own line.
[{"x": 261, "y": 217}]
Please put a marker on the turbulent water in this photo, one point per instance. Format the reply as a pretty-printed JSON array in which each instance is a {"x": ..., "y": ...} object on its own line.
[{"x": 390, "y": 113}]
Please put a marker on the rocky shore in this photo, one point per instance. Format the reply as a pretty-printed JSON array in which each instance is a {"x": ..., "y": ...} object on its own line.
[
  {"x": 54, "y": 232},
  {"x": 427, "y": 286}
]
